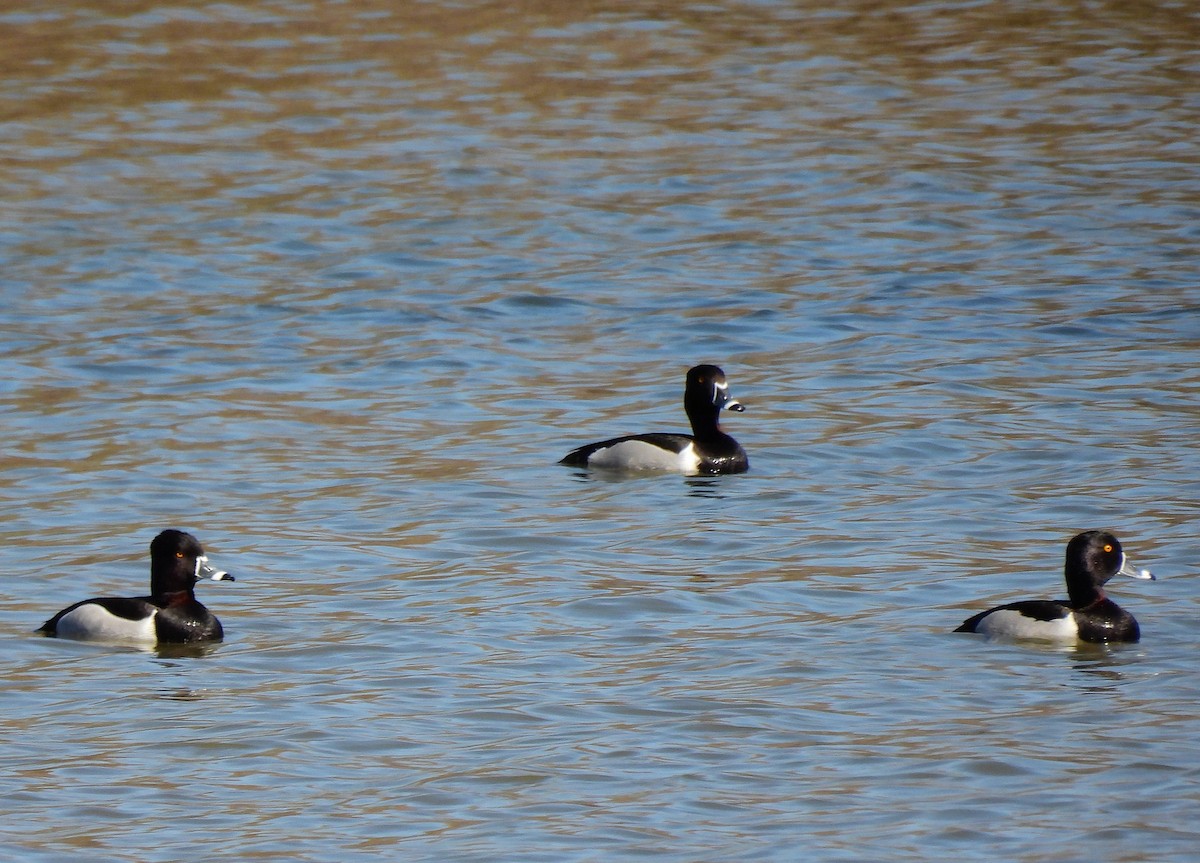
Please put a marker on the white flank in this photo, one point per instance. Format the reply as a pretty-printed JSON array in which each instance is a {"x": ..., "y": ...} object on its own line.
[
  {"x": 639, "y": 455},
  {"x": 1012, "y": 624},
  {"x": 92, "y": 622}
]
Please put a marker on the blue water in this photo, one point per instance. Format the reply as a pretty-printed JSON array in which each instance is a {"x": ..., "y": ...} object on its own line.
[{"x": 335, "y": 286}]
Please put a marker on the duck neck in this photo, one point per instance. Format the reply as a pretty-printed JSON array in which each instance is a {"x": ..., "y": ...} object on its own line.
[
  {"x": 1084, "y": 594},
  {"x": 167, "y": 581},
  {"x": 703, "y": 416}
]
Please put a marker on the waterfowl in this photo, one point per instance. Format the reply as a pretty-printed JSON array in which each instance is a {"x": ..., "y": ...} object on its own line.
[
  {"x": 171, "y": 613},
  {"x": 1093, "y": 557},
  {"x": 708, "y": 450}
]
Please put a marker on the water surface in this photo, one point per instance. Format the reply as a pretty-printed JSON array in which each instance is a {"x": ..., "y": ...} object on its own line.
[{"x": 334, "y": 286}]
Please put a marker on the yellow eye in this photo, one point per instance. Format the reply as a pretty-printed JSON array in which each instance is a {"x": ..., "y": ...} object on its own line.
[
  {"x": 1107, "y": 547},
  {"x": 179, "y": 554}
]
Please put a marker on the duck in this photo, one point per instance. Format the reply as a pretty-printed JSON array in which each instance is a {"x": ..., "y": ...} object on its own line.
[
  {"x": 170, "y": 614},
  {"x": 1093, "y": 557},
  {"x": 707, "y": 451}
]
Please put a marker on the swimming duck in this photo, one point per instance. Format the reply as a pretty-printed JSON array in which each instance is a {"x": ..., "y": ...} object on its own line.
[
  {"x": 708, "y": 450},
  {"x": 1088, "y": 615},
  {"x": 171, "y": 613}
]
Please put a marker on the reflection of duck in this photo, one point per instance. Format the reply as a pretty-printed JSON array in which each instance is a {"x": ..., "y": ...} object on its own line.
[
  {"x": 1088, "y": 615},
  {"x": 170, "y": 614},
  {"x": 708, "y": 450}
]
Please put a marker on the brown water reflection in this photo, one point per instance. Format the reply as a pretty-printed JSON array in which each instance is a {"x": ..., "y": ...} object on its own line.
[{"x": 571, "y": 64}]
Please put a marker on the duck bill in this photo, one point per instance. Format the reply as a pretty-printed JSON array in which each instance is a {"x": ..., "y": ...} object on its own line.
[
  {"x": 1128, "y": 569},
  {"x": 722, "y": 398},
  {"x": 203, "y": 570}
]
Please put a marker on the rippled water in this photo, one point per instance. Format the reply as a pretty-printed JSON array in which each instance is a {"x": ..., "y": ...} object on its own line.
[{"x": 335, "y": 285}]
